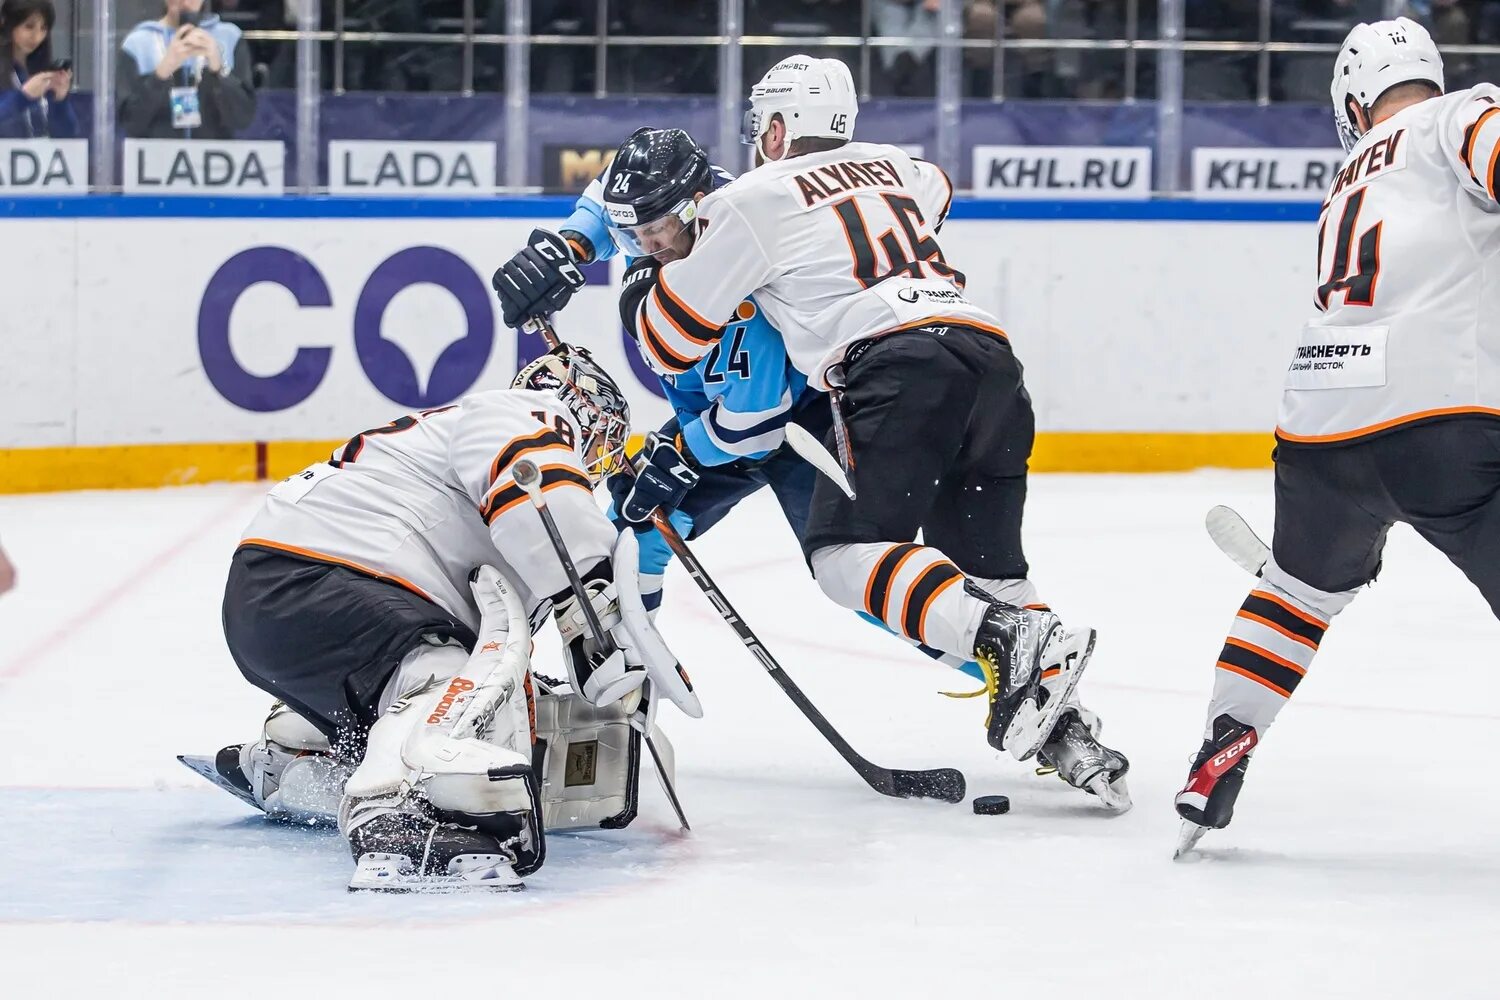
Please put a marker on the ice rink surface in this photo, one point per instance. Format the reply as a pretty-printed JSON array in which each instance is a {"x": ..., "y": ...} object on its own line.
[{"x": 1362, "y": 862}]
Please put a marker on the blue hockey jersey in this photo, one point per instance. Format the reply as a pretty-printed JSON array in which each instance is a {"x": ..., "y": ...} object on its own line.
[{"x": 734, "y": 403}]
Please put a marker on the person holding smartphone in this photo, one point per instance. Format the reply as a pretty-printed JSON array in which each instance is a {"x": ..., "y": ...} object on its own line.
[
  {"x": 185, "y": 76},
  {"x": 34, "y": 87}
]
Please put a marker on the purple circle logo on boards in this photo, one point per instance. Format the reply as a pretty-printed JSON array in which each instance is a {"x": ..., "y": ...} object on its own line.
[{"x": 387, "y": 365}]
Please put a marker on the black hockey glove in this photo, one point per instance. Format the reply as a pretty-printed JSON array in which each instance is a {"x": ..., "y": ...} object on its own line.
[
  {"x": 639, "y": 279},
  {"x": 538, "y": 280},
  {"x": 661, "y": 483}
]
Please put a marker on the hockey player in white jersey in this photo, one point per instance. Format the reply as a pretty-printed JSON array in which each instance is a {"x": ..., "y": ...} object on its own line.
[
  {"x": 835, "y": 240},
  {"x": 387, "y": 598},
  {"x": 1392, "y": 393}
]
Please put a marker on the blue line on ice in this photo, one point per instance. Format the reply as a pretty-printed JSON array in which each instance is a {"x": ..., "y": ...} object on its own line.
[{"x": 153, "y": 856}]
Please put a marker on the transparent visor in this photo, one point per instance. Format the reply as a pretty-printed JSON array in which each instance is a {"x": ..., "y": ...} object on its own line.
[
  {"x": 651, "y": 238},
  {"x": 750, "y": 127}
]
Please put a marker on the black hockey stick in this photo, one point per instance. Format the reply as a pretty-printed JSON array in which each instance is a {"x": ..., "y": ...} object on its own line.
[
  {"x": 529, "y": 478},
  {"x": 943, "y": 783}
]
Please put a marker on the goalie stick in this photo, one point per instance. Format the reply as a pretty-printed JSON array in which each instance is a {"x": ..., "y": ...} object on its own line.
[
  {"x": 530, "y": 479},
  {"x": 945, "y": 783}
]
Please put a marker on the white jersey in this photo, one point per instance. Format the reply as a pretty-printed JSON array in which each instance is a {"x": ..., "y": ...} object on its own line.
[
  {"x": 424, "y": 500},
  {"x": 1407, "y": 325},
  {"x": 836, "y": 247}
]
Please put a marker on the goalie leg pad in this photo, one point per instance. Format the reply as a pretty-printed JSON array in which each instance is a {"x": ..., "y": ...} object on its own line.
[
  {"x": 458, "y": 742},
  {"x": 589, "y": 762}
]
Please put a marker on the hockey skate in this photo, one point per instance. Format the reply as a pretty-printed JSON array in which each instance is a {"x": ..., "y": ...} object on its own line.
[
  {"x": 291, "y": 773},
  {"x": 1214, "y": 782},
  {"x": 400, "y": 845},
  {"x": 1074, "y": 753},
  {"x": 1015, "y": 647}
]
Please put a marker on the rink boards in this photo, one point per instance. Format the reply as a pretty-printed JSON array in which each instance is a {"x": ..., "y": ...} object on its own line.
[{"x": 164, "y": 341}]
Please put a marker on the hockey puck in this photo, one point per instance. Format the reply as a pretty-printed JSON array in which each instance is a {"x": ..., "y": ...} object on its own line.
[{"x": 991, "y": 805}]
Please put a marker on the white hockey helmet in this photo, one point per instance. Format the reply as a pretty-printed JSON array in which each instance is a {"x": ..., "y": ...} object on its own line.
[
  {"x": 814, "y": 97},
  {"x": 1374, "y": 58}
]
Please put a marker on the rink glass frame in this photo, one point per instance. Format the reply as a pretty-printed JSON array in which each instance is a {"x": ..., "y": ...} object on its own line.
[{"x": 92, "y": 32}]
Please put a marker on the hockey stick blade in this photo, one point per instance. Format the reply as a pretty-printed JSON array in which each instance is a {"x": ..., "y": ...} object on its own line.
[
  {"x": 944, "y": 783},
  {"x": 813, "y": 452},
  {"x": 1236, "y": 539}
]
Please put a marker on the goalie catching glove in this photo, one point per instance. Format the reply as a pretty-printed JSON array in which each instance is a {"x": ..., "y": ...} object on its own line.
[{"x": 633, "y": 651}]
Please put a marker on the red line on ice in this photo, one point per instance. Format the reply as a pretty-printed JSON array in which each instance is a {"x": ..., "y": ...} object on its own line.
[{"x": 128, "y": 584}]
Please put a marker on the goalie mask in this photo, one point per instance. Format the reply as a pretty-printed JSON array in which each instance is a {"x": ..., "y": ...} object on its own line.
[{"x": 571, "y": 374}]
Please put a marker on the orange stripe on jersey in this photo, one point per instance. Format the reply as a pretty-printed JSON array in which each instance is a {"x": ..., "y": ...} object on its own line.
[
  {"x": 323, "y": 557},
  {"x": 682, "y": 318},
  {"x": 972, "y": 324},
  {"x": 664, "y": 355},
  {"x": 1254, "y": 677},
  {"x": 539, "y": 441},
  {"x": 509, "y": 497},
  {"x": 661, "y": 285},
  {"x": 1280, "y": 661},
  {"x": 1384, "y": 425},
  {"x": 1470, "y": 135},
  {"x": 1489, "y": 177},
  {"x": 1250, "y": 616}
]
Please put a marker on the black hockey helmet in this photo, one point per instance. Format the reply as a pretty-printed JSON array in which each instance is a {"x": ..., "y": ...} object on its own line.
[{"x": 649, "y": 189}]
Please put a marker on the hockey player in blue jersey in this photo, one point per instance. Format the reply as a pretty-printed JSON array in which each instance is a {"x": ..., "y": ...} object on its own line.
[
  {"x": 725, "y": 441},
  {"x": 731, "y": 407}
]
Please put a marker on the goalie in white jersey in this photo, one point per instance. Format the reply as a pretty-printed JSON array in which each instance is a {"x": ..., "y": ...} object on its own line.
[
  {"x": 835, "y": 239},
  {"x": 1392, "y": 394},
  {"x": 387, "y": 597}
]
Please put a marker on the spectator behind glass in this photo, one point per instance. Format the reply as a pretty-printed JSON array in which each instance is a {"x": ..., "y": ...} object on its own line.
[
  {"x": 186, "y": 76},
  {"x": 33, "y": 99},
  {"x": 906, "y": 70}
]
